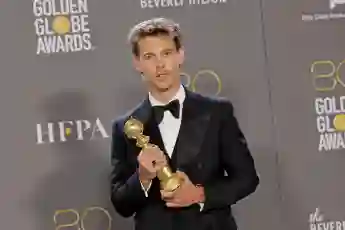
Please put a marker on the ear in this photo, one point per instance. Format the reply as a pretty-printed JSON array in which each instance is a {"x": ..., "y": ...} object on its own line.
[
  {"x": 181, "y": 56},
  {"x": 136, "y": 63}
]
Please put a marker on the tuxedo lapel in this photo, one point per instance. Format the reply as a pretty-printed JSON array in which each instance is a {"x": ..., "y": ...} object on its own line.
[
  {"x": 195, "y": 121},
  {"x": 144, "y": 114},
  {"x": 194, "y": 124},
  {"x": 153, "y": 132}
]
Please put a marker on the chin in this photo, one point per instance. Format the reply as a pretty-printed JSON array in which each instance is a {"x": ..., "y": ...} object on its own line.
[{"x": 163, "y": 87}]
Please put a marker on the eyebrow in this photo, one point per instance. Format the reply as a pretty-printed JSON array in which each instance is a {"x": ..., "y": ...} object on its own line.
[
  {"x": 148, "y": 53},
  {"x": 168, "y": 49}
]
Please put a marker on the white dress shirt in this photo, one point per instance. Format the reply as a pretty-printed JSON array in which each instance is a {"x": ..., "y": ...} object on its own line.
[{"x": 169, "y": 126}]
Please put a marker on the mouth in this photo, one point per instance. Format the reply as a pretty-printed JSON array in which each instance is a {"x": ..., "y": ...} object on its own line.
[{"x": 162, "y": 75}]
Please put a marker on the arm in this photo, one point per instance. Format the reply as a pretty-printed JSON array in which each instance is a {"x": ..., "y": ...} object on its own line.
[
  {"x": 127, "y": 194},
  {"x": 242, "y": 179}
]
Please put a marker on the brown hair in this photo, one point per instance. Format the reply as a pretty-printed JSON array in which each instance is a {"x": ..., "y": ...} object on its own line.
[{"x": 154, "y": 27}]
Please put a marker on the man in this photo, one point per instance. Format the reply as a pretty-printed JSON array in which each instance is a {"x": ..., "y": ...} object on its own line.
[{"x": 197, "y": 136}]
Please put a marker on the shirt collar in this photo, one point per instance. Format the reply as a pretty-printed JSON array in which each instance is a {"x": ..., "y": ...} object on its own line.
[{"x": 180, "y": 95}]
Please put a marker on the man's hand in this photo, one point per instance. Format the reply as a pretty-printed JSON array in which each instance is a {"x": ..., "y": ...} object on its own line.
[
  {"x": 150, "y": 161},
  {"x": 186, "y": 195}
]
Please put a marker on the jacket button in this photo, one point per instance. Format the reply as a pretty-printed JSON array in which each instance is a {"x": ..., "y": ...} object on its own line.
[{"x": 199, "y": 165}]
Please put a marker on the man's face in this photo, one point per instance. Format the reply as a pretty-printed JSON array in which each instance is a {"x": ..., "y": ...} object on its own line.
[{"x": 159, "y": 61}]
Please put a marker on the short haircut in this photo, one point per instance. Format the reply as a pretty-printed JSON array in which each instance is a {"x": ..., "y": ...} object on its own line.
[{"x": 154, "y": 27}]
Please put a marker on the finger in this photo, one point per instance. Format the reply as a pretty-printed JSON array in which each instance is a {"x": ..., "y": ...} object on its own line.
[
  {"x": 158, "y": 166},
  {"x": 181, "y": 174},
  {"x": 161, "y": 157},
  {"x": 140, "y": 156},
  {"x": 159, "y": 163},
  {"x": 182, "y": 177},
  {"x": 173, "y": 205},
  {"x": 166, "y": 198},
  {"x": 153, "y": 157},
  {"x": 148, "y": 167},
  {"x": 151, "y": 147},
  {"x": 148, "y": 152},
  {"x": 148, "y": 160},
  {"x": 166, "y": 194},
  {"x": 157, "y": 153}
]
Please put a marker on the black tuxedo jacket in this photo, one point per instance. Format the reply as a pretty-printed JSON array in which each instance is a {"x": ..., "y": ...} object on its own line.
[{"x": 209, "y": 143}]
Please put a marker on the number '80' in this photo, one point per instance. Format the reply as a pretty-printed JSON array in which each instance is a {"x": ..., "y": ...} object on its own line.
[
  {"x": 78, "y": 221},
  {"x": 332, "y": 77}
]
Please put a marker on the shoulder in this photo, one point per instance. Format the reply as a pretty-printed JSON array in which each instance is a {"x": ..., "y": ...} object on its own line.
[
  {"x": 220, "y": 104},
  {"x": 119, "y": 122}
]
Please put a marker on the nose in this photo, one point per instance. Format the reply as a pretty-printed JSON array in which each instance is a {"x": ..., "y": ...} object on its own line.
[{"x": 160, "y": 62}]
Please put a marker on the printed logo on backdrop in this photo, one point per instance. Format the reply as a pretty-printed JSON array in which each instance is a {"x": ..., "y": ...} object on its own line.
[
  {"x": 334, "y": 10},
  {"x": 62, "y": 26},
  {"x": 205, "y": 81},
  {"x": 67, "y": 218},
  {"x": 329, "y": 83},
  {"x": 318, "y": 222},
  {"x": 151, "y": 4},
  {"x": 63, "y": 131}
]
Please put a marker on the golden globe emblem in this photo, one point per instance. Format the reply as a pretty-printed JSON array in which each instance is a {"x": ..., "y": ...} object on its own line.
[
  {"x": 133, "y": 129},
  {"x": 61, "y": 25},
  {"x": 339, "y": 122}
]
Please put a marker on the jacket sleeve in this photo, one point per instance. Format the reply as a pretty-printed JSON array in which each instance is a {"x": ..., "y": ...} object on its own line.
[
  {"x": 241, "y": 179},
  {"x": 127, "y": 195}
]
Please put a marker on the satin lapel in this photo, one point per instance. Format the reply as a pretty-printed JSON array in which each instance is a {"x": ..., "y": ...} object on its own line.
[
  {"x": 144, "y": 114},
  {"x": 195, "y": 121},
  {"x": 152, "y": 130}
]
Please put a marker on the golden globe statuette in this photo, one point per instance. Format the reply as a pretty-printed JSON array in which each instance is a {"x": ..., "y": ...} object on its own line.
[{"x": 134, "y": 129}]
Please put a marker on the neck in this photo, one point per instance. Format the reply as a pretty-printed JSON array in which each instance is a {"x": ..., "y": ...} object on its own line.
[{"x": 165, "y": 96}]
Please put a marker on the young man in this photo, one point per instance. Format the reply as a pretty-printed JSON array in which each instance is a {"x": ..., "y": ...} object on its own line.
[{"x": 197, "y": 136}]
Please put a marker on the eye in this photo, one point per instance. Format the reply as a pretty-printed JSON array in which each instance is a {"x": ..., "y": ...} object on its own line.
[
  {"x": 147, "y": 56},
  {"x": 167, "y": 53}
]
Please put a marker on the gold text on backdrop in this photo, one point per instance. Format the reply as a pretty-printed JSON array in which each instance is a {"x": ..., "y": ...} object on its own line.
[
  {"x": 329, "y": 74},
  {"x": 192, "y": 79},
  {"x": 79, "y": 221}
]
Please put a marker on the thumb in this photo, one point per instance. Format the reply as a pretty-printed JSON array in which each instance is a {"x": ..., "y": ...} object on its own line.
[{"x": 181, "y": 174}]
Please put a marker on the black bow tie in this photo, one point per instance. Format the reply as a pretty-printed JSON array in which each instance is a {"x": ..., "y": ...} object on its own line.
[{"x": 173, "y": 107}]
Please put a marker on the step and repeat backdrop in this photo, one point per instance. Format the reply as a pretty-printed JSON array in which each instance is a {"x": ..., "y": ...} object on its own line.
[
  {"x": 304, "y": 46},
  {"x": 66, "y": 74}
]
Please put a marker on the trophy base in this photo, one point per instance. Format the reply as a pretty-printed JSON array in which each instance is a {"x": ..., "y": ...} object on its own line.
[{"x": 172, "y": 183}]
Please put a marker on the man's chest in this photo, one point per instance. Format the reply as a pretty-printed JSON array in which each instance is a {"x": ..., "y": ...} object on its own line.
[{"x": 169, "y": 129}]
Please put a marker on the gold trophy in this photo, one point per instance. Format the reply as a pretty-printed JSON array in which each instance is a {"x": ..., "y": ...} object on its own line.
[{"x": 134, "y": 129}]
